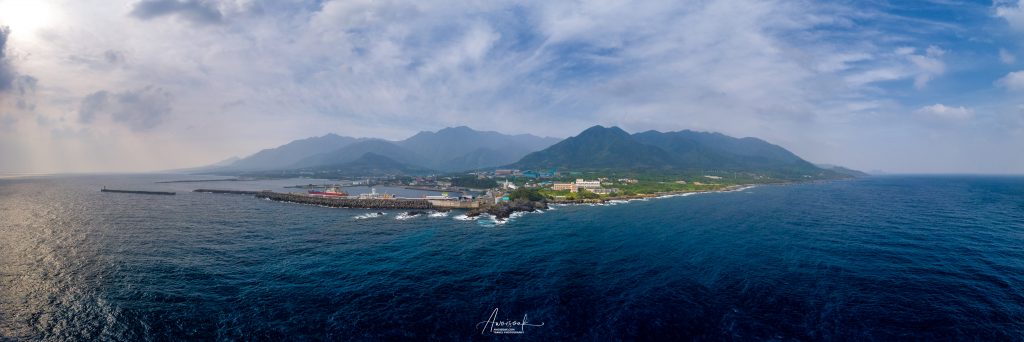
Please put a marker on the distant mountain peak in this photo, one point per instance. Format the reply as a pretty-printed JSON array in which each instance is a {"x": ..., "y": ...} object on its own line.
[
  {"x": 601, "y": 147},
  {"x": 606, "y": 132},
  {"x": 456, "y": 128}
]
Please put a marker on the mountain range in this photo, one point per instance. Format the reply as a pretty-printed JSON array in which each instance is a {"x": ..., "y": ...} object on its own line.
[
  {"x": 447, "y": 150},
  {"x": 597, "y": 148},
  {"x": 601, "y": 147}
]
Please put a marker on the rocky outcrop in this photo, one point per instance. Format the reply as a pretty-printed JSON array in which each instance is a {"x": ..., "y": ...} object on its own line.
[{"x": 505, "y": 209}]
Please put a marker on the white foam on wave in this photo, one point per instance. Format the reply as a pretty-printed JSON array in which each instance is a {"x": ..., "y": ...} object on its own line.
[
  {"x": 463, "y": 217},
  {"x": 405, "y": 216},
  {"x": 439, "y": 214},
  {"x": 485, "y": 220},
  {"x": 743, "y": 188},
  {"x": 488, "y": 218},
  {"x": 369, "y": 216}
]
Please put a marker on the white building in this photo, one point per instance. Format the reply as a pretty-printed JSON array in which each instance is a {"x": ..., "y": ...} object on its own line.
[
  {"x": 603, "y": 191},
  {"x": 585, "y": 184}
]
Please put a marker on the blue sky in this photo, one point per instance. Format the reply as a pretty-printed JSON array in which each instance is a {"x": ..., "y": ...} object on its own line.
[{"x": 901, "y": 86}]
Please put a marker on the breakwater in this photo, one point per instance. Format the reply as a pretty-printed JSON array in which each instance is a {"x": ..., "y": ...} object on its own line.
[
  {"x": 347, "y": 202},
  {"x": 236, "y": 192},
  {"x": 200, "y": 180},
  {"x": 142, "y": 192}
]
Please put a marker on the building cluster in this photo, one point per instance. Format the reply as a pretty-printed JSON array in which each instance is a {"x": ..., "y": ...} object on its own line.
[
  {"x": 582, "y": 184},
  {"x": 525, "y": 173},
  {"x": 431, "y": 181}
]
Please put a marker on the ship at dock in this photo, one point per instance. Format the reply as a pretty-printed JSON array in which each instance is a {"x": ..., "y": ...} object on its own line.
[
  {"x": 333, "y": 191},
  {"x": 376, "y": 195}
]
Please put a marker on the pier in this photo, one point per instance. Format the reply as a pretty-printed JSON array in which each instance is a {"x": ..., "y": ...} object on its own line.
[
  {"x": 235, "y": 192},
  {"x": 453, "y": 204},
  {"x": 352, "y": 202},
  {"x": 362, "y": 203},
  {"x": 141, "y": 192}
]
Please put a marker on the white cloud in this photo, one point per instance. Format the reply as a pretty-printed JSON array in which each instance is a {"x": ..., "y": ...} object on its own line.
[
  {"x": 1013, "y": 13},
  {"x": 1012, "y": 81},
  {"x": 928, "y": 66},
  {"x": 944, "y": 112},
  {"x": 263, "y": 73},
  {"x": 1006, "y": 57},
  {"x": 902, "y": 63}
]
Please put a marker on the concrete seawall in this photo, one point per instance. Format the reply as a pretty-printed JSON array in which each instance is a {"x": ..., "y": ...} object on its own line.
[
  {"x": 454, "y": 204},
  {"x": 236, "y": 192},
  {"x": 141, "y": 192},
  {"x": 348, "y": 202}
]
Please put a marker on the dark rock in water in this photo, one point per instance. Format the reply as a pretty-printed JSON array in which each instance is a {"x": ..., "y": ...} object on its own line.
[
  {"x": 415, "y": 213},
  {"x": 505, "y": 209}
]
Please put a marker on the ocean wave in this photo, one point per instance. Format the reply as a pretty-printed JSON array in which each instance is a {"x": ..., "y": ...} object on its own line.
[
  {"x": 493, "y": 220},
  {"x": 406, "y": 215},
  {"x": 439, "y": 214},
  {"x": 463, "y": 217},
  {"x": 369, "y": 215}
]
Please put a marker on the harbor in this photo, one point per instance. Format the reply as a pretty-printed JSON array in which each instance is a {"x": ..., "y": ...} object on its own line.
[
  {"x": 346, "y": 202},
  {"x": 234, "y": 192},
  {"x": 335, "y": 198}
]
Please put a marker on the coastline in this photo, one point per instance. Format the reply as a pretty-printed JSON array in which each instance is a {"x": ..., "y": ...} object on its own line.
[
  {"x": 499, "y": 213},
  {"x": 509, "y": 212},
  {"x": 662, "y": 194}
]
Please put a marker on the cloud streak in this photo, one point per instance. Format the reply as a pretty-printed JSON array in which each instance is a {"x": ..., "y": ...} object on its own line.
[{"x": 945, "y": 112}]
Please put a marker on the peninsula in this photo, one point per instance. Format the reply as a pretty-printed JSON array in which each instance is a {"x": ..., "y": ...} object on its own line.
[{"x": 598, "y": 165}]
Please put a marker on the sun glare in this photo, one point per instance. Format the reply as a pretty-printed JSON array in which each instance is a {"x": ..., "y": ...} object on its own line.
[{"x": 25, "y": 17}]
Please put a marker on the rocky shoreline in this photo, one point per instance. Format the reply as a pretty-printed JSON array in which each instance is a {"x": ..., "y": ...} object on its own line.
[
  {"x": 646, "y": 196},
  {"x": 503, "y": 210}
]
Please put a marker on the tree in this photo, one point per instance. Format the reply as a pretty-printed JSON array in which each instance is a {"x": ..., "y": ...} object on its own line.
[
  {"x": 473, "y": 182},
  {"x": 526, "y": 194}
]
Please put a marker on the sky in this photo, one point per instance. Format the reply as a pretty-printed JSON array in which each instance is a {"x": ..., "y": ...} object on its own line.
[{"x": 141, "y": 85}]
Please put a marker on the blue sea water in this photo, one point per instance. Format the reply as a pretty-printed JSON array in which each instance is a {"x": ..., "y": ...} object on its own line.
[{"x": 880, "y": 258}]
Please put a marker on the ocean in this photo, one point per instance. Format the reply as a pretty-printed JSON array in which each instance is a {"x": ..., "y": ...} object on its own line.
[{"x": 878, "y": 258}]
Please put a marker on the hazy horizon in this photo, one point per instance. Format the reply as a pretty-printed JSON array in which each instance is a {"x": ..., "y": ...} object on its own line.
[{"x": 921, "y": 87}]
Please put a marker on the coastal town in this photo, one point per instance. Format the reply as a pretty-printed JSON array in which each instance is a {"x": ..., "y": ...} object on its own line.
[{"x": 498, "y": 192}]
